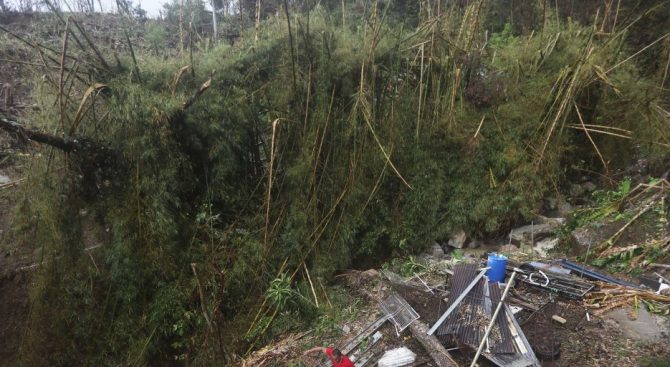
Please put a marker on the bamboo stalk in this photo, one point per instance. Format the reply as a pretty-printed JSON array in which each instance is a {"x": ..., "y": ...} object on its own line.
[
  {"x": 586, "y": 131},
  {"x": 60, "y": 79},
  {"x": 181, "y": 29},
  {"x": 91, "y": 44},
  {"x": 316, "y": 300},
  {"x": 132, "y": 53},
  {"x": 290, "y": 39},
  {"x": 202, "y": 299}
]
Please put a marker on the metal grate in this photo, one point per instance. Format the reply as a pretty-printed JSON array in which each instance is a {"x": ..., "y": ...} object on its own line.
[
  {"x": 469, "y": 320},
  {"x": 399, "y": 312}
]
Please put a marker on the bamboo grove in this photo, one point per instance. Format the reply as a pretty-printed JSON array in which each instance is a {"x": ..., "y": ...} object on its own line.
[{"x": 207, "y": 199}]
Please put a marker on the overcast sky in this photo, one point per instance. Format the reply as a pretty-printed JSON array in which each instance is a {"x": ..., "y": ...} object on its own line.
[{"x": 151, "y": 6}]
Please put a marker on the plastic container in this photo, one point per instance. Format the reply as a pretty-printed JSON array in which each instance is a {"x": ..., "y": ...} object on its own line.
[{"x": 497, "y": 263}]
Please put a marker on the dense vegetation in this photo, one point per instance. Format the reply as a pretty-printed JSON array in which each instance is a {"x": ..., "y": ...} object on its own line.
[{"x": 352, "y": 138}]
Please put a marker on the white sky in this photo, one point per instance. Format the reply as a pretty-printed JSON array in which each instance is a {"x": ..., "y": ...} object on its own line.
[{"x": 151, "y": 6}]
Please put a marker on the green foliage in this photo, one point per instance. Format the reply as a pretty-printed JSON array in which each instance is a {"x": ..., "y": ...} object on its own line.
[
  {"x": 156, "y": 34},
  {"x": 606, "y": 202},
  {"x": 502, "y": 39},
  {"x": 655, "y": 362},
  {"x": 357, "y": 171},
  {"x": 281, "y": 295}
]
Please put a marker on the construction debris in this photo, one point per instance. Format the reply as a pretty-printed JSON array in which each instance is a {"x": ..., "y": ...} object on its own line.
[
  {"x": 397, "y": 357},
  {"x": 591, "y": 274},
  {"x": 472, "y": 319},
  {"x": 610, "y": 296}
]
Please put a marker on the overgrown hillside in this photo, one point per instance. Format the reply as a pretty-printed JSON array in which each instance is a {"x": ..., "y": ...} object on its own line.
[{"x": 217, "y": 180}]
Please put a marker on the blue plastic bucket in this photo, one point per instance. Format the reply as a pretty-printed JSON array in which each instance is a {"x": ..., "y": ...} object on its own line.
[{"x": 497, "y": 263}]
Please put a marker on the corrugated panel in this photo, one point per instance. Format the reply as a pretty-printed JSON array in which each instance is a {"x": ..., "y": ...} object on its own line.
[{"x": 469, "y": 320}]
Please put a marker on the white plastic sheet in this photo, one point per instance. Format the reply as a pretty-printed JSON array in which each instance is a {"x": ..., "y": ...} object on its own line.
[{"x": 397, "y": 357}]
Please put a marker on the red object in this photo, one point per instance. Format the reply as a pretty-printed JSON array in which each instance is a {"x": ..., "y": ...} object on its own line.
[{"x": 345, "y": 362}]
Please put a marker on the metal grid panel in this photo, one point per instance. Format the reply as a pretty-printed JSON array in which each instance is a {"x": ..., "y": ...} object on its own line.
[
  {"x": 399, "y": 312},
  {"x": 469, "y": 320}
]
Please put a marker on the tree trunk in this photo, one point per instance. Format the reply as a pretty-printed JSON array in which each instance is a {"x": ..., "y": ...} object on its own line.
[
  {"x": 241, "y": 20},
  {"x": 54, "y": 141},
  {"x": 181, "y": 29},
  {"x": 258, "y": 19},
  {"x": 431, "y": 344},
  {"x": 214, "y": 37}
]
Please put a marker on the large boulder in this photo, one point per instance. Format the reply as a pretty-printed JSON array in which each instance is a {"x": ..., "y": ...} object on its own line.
[
  {"x": 576, "y": 190},
  {"x": 594, "y": 233},
  {"x": 436, "y": 251},
  {"x": 474, "y": 244},
  {"x": 545, "y": 245},
  {"x": 537, "y": 232},
  {"x": 458, "y": 239}
]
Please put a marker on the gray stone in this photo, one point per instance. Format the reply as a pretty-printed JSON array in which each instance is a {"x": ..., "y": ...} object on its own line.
[
  {"x": 508, "y": 249},
  {"x": 346, "y": 329},
  {"x": 458, "y": 239},
  {"x": 591, "y": 233},
  {"x": 3, "y": 178},
  {"x": 589, "y": 186},
  {"x": 370, "y": 273},
  {"x": 538, "y": 231},
  {"x": 564, "y": 208},
  {"x": 474, "y": 244},
  {"x": 436, "y": 251},
  {"x": 576, "y": 190},
  {"x": 557, "y": 222},
  {"x": 545, "y": 245},
  {"x": 551, "y": 203}
]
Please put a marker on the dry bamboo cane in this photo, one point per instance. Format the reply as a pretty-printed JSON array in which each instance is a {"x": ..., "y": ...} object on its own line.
[
  {"x": 316, "y": 300},
  {"x": 60, "y": 79}
]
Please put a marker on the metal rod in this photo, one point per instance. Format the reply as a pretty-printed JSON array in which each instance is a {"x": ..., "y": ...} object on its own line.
[
  {"x": 588, "y": 249},
  {"x": 458, "y": 300},
  {"x": 532, "y": 240},
  {"x": 509, "y": 245},
  {"x": 493, "y": 319}
]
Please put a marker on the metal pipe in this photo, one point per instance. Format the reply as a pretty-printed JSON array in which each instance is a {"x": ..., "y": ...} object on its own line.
[
  {"x": 493, "y": 319},
  {"x": 532, "y": 240},
  {"x": 588, "y": 249}
]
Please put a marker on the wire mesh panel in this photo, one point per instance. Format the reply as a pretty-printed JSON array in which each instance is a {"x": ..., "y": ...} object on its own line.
[
  {"x": 469, "y": 320},
  {"x": 399, "y": 312}
]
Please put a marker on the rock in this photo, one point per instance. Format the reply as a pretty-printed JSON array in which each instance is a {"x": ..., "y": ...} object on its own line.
[
  {"x": 474, "y": 244},
  {"x": 3, "y": 178},
  {"x": 436, "y": 251},
  {"x": 576, "y": 190},
  {"x": 545, "y": 245},
  {"x": 346, "y": 329},
  {"x": 556, "y": 222},
  {"x": 589, "y": 186},
  {"x": 593, "y": 233},
  {"x": 370, "y": 273},
  {"x": 551, "y": 203},
  {"x": 538, "y": 231},
  {"x": 564, "y": 208},
  {"x": 458, "y": 239},
  {"x": 508, "y": 248}
]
